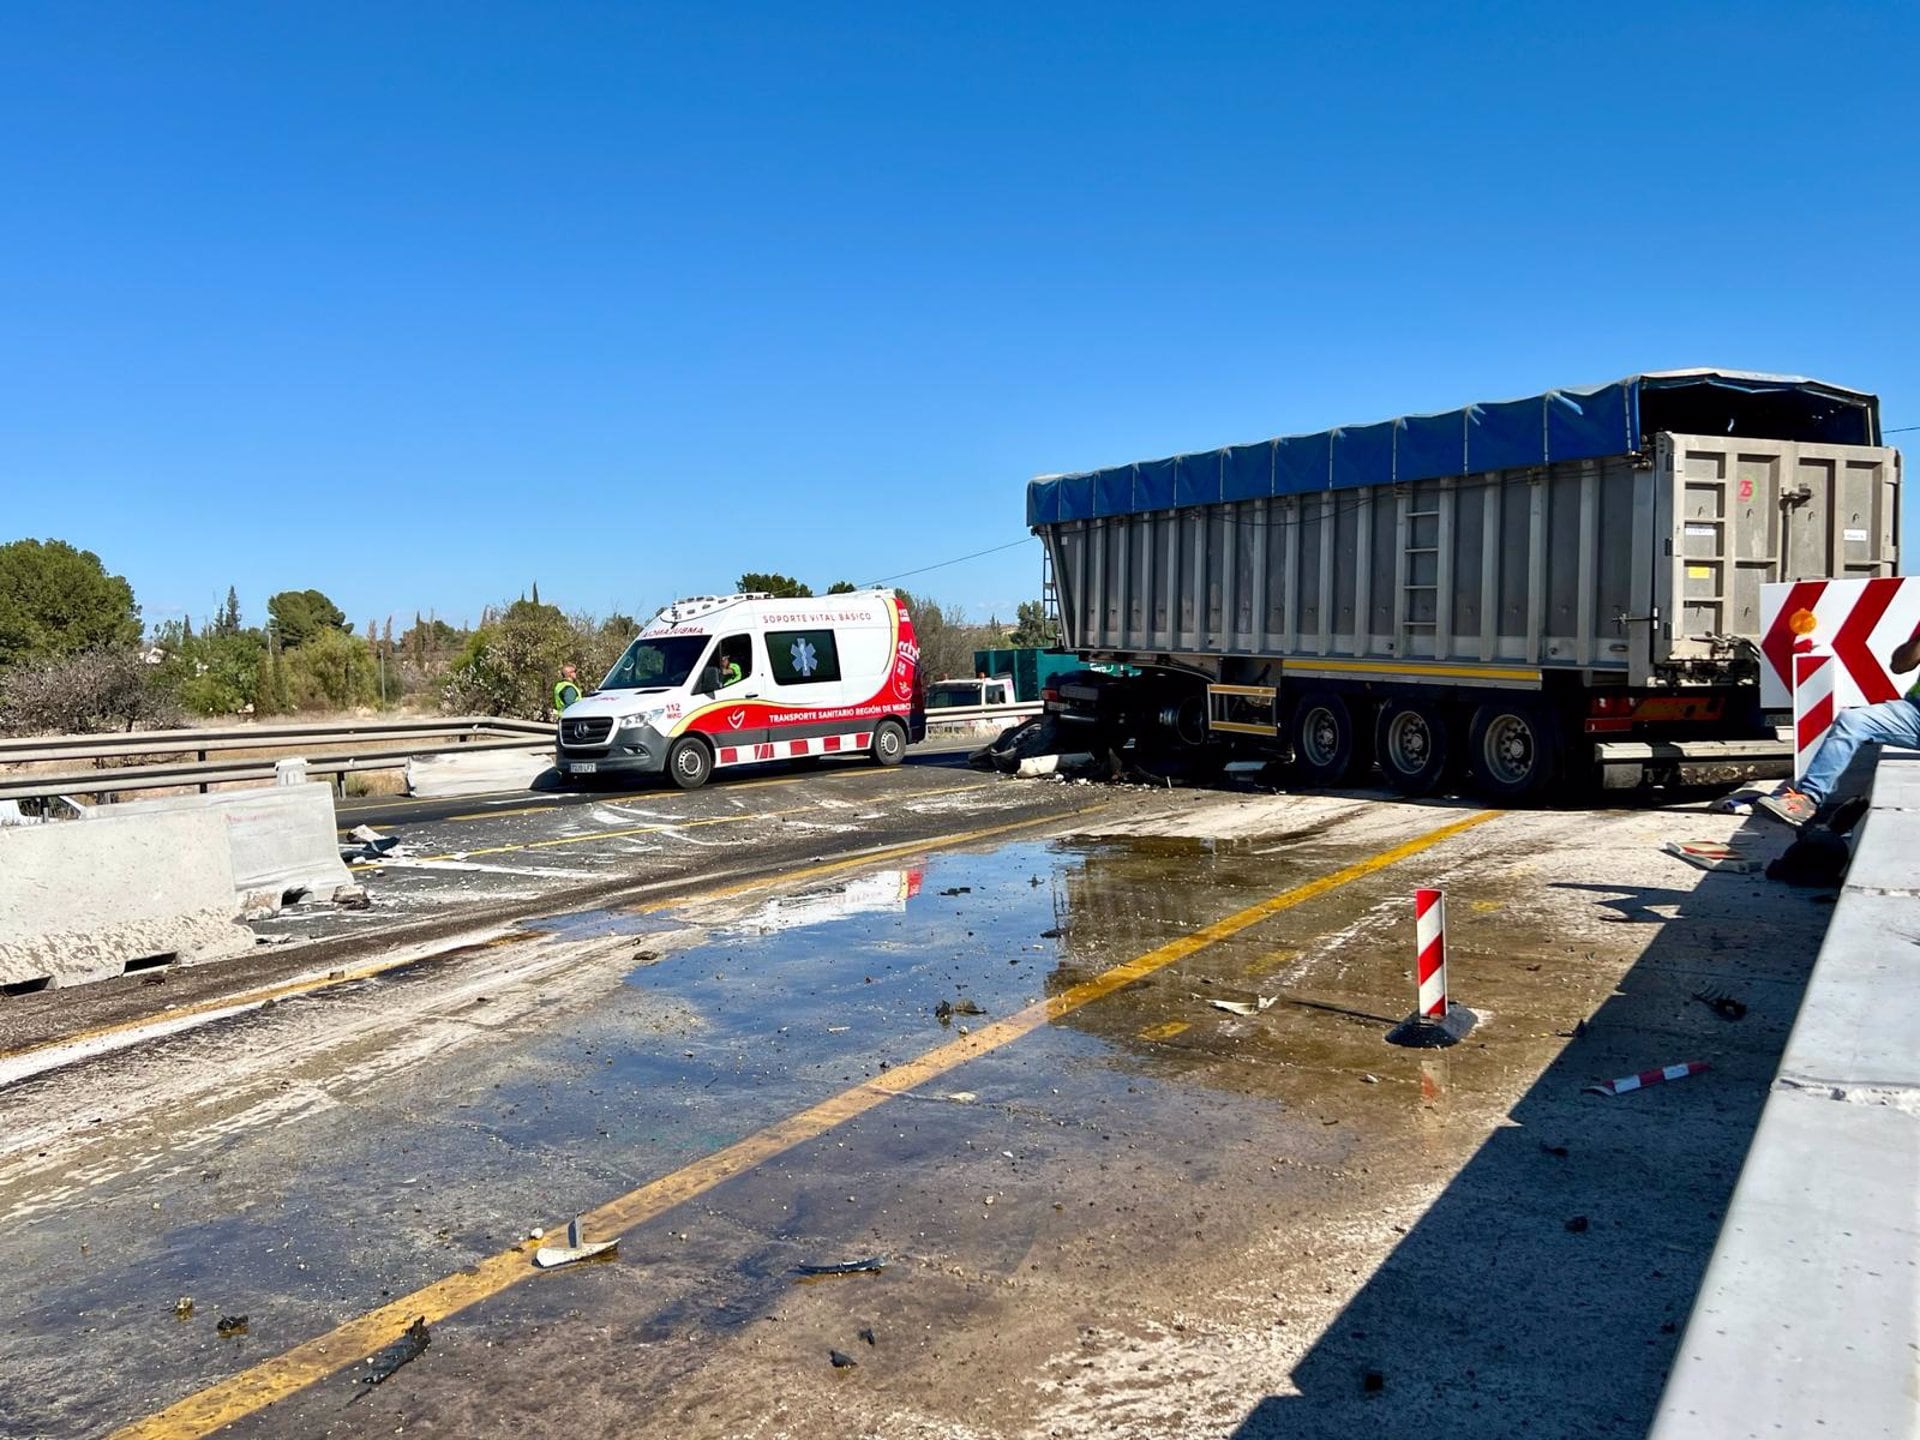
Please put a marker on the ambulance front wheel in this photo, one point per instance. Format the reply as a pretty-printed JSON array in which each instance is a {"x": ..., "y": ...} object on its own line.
[
  {"x": 690, "y": 763},
  {"x": 889, "y": 742}
]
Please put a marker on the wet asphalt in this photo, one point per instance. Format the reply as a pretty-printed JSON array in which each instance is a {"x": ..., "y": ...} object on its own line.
[{"x": 1152, "y": 1215}]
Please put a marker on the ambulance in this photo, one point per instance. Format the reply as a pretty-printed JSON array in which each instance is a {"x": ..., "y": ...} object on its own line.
[{"x": 832, "y": 675}]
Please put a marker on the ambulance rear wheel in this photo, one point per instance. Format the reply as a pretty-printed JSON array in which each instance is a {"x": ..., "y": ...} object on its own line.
[
  {"x": 889, "y": 742},
  {"x": 690, "y": 763}
]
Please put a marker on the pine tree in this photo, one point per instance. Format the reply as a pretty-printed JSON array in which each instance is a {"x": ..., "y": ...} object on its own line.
[
  {"x": 229, "y": 621},
  {"x": 536, "y": 592}
]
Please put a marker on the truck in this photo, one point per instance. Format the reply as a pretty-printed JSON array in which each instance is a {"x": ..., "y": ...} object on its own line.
[
  {"x": 1030, "y": 668},
  {"x": 1511, "y": 598}
]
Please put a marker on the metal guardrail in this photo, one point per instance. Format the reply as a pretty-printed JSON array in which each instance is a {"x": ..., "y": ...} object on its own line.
[
  {"x": 970, "y": 714},
  {"x": 36, "y": 749},
  {"x": 463, "y": 733}
]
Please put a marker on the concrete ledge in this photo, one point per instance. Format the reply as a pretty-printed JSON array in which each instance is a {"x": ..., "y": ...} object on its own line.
[
  {"x": 1808, "y": 1318},
  {"x": 83, "y": 899}
]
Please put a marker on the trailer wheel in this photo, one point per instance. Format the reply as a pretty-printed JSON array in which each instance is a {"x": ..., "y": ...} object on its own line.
[
  {"x": 689, "y": 762},
  {"x": 889, "y": 743},
  {"x": 1413, "y": 742},
  {"x": 1323, "y": 739},
  {"x": 1514, "y": 752}
]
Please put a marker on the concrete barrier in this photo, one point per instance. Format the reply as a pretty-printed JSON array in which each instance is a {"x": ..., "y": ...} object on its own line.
[
  {"x": 1808, "y": 1318},
  {"x": 81, "y": 900},
  {"x": 486, "y": 772},
  {"x": 282, "y": 839}
]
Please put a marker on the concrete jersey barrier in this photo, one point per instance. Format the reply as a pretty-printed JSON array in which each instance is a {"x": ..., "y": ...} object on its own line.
[
  {"x": 282, "y": 839},
  {"x": 81, "y": 900},
  {"x": 1808, "y": 1318}
]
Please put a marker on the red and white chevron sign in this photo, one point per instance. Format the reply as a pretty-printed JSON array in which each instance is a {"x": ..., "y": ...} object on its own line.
[{"x": 1858, "y": 622}]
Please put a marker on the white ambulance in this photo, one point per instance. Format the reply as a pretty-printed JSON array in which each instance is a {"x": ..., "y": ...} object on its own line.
[{"x": 833, "y": 675}]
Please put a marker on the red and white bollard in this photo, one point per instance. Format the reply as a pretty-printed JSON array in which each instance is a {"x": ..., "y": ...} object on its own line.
[
  {"x": 1434, "y": 1021},
  {"x": 1430, "y": 968}
]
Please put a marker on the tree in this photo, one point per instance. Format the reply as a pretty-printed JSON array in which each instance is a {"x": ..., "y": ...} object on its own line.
[
  {"x": 781, "y": 587},
  {"x": 946, "y": 641},
  {"x": 510, "y": 664},
  {"x": 1031, "y": 625},
  {"x": 227, "y": 622},
  {"x": 57, "y": 601},
  {"x": 842, "y": 587},
  {"x": 300, "y": 615}
]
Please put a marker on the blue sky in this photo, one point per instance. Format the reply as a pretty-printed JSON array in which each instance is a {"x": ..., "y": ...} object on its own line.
[{"x": 420, "y": 303}]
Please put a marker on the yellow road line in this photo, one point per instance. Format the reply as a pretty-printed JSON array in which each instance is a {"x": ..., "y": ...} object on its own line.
[
  {"x": 506, "y": 810},
  {"x": 314, "y": 984},
  {"x": 293, "y": 1370}
]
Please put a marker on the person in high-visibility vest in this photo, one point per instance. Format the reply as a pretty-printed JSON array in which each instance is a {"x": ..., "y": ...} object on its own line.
[{"x": 566, "y": 689}]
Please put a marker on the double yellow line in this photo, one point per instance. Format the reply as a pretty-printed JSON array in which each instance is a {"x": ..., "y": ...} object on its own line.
[{"x": 295, "y": 1369}]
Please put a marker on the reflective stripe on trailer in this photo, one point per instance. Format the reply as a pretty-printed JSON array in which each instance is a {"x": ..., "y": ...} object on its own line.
[{"x": 849, "y": 744}]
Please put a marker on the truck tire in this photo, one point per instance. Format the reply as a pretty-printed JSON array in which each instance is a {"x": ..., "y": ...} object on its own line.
[
  {"x": 690, "y": 763},
  {"x": 889, "y": 743},
  {"x": 1414, "y": 743},
  {"x": 1325, "y": 747},
  {"x": 1513, "y": 752}
]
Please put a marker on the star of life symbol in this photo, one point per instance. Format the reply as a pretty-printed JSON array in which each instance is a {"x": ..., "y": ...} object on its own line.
[{"x": 805, "y": 659}]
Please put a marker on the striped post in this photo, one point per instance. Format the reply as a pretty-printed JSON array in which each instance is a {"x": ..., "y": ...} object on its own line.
[
  {"x": 1430, "y": 927},
  {"x": 1812, "y": 708},
  {"x": 1627, "y": 1084}
]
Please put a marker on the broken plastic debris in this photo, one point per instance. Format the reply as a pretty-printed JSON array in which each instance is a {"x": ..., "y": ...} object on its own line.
[
  {"x": 1577, "y": 1225},
  {"x": 576, "y": 1248},
  {"x": 1243, "y": 1007},
  {"x": 840, "y": 1361},
  {"x": 963, "y": 1097},
  {"x": 1711, "y": 855},
  {"x": 958, "y": 890},
  {"x": 947, "y": 1009},
  {"x": 872, "y": 1265},
  {"x": 352, "y": 897},
  {"x": 369, "y": 844},
  {"x": 867, "y": 1335},
  {"x": 183, "y": 1307},
  {"x": 230, "y": 1325}
]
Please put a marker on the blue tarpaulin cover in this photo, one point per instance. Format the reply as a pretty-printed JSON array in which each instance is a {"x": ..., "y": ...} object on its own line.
[{"x": 1580, "y": 424}]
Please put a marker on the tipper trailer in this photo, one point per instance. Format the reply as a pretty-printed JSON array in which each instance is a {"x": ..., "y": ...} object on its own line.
[{"x": 1514, "y": 594}]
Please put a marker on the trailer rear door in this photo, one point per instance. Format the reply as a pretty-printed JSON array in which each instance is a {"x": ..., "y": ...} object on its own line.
[{"x": 1738, "y": 513}]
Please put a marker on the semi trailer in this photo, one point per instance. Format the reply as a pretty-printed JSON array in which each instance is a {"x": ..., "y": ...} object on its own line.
[{"x": 1511, "y": 597}]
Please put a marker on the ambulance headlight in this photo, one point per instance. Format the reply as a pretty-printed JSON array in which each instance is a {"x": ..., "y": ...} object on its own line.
[{"x": 645, "y": 720}]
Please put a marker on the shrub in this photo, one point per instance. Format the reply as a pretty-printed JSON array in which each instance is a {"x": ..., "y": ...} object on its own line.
[{"x": 84, "y": 694}]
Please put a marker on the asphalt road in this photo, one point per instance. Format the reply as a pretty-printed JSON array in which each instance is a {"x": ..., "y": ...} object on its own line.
[{"x": 992, "y": 1058}]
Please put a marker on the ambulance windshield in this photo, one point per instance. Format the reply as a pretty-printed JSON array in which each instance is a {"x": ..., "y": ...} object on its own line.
[{"x": 664, "y": 662}]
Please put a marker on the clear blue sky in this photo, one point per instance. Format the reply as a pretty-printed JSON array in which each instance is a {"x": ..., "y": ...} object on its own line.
[{"x": 419, "y": 303}]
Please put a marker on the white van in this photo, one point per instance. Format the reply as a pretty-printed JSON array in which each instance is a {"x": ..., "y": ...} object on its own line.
[{"x": 834, "y": 675}]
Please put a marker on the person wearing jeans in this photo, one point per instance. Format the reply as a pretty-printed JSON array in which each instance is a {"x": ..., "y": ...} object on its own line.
[{"x": 1891, "y": 722}]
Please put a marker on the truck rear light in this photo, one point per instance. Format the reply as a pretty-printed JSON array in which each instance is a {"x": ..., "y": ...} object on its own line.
[{"x": 1050, "y": 695}]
